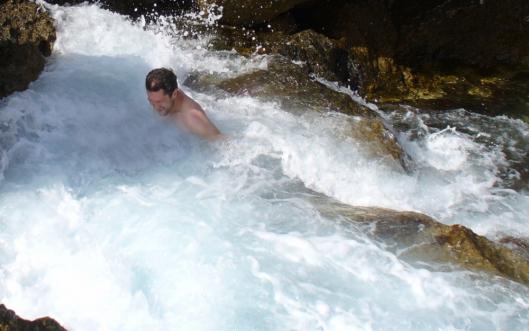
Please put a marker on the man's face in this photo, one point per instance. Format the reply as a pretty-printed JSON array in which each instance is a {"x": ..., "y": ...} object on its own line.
[{"x": 160, "y": 101}]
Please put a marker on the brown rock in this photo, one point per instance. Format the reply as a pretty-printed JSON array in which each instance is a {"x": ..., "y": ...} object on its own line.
[
  {"x": 289, "y": 85},
  {"x": 322, "y": 55},
  {"x": 9, "y": 321},
  {"x": 419, "y": 238},
  {"x": 266, "y": 39},
  {"x": 26, "y": 36},
  {"x": 432, "y": 54},
  {"x": 286, "y": 83}
]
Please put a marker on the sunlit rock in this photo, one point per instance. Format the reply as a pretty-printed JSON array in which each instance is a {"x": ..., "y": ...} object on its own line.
[
  {"x": 9, "y": 321},
  {"x": 26, "y": 37},
  {"x": 419, "y": 238}
]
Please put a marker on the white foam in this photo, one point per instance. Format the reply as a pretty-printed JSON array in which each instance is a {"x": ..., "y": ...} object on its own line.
[{"x": 106, "y": 211}]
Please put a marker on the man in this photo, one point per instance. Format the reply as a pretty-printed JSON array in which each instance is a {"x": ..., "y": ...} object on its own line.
[{"x": 168, "y": 100}]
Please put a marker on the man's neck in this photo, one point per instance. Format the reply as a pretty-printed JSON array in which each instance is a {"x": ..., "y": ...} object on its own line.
[{"x": 178, "y": 101}]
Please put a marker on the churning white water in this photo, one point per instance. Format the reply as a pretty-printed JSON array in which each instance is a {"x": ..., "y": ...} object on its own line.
[{"x": 112, "y": 219}]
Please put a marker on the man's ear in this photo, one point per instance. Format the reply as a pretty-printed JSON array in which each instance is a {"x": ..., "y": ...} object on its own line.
[{"x": 175, "y": 93}]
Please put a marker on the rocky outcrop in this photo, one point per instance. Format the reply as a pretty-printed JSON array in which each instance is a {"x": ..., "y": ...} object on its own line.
[
  {"x": 322, "y": 55},
  {"x": 286, "y": 83},
  {"x": 289, "y": 85},
  {"x": 26, "y": 37},
  {"x": 430, "y": 54},
  {"x": 434, "y": 54},
  {"x": 9, "y": 321},
  {"x": 416, "y": 237}
]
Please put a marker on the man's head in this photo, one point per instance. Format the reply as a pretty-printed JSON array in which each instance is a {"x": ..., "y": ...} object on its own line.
[{"x": 162, "y": 89}]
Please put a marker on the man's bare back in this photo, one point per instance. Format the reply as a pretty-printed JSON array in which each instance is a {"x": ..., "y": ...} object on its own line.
[{"x": 168, "y": 100}]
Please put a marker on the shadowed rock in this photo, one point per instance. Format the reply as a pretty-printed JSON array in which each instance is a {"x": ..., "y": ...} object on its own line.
[
  {"x": 322, "y": 55},
  {"x": 431, "y": 54},
  {"x": 26, "y": 37},
  {"x": 249, "y": 12},
  {"x": 9, "y": 321},
  {"x": 434, "y": 54}
]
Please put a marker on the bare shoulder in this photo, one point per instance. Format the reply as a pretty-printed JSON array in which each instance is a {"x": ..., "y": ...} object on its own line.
[
  {"x": 192, "y": 105},
  {"x": 196, "y": 121},
  {"x": 192, "y": 111}
]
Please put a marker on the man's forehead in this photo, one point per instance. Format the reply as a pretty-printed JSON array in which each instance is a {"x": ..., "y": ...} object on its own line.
[{"x": 158, "y": 95}]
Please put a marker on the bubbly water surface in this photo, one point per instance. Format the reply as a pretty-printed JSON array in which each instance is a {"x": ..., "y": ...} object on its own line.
[{"x": 113, "y": 219}]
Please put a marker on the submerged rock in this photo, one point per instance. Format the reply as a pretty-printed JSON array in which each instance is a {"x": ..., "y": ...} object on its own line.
[
  {"x": 419, "y": 238},
  {"x": 9, "y": 321},
  {"x": 27, "y": 35}
]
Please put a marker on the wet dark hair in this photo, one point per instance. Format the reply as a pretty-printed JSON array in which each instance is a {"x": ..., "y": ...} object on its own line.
[{"x": 161, "y": 79}]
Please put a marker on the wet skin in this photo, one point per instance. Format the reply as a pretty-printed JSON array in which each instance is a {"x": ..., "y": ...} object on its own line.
[{"x": 185, "y": 111}]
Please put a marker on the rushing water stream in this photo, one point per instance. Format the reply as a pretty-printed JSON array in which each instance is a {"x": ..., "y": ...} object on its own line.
[{"x": 112, "y": 219}]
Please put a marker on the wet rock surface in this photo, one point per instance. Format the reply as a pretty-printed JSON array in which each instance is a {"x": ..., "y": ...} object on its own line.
[
  {"x": 27, "y": 35},
  {"x": 284, "y": 82},
  {"x": 289, "y": 85},
  {"x": 9, "y": 321},
  {"x": 418, "y": 238},
  {"x": 322, "y": 55}
]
